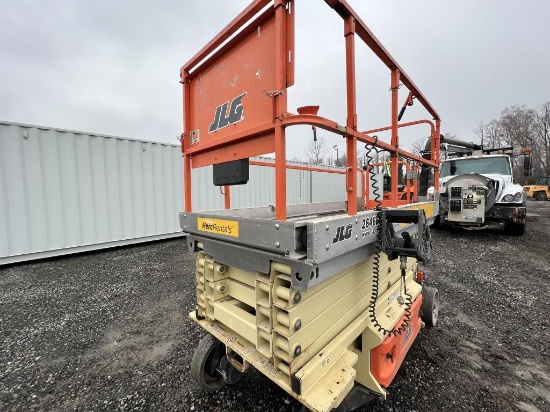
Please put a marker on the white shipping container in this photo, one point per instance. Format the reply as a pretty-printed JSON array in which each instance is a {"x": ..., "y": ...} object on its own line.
[{"x": 63, "y": 191}]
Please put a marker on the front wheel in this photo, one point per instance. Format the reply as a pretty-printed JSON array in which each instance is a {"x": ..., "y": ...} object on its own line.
[
  {"x": 515, "y": 229},
  {"x": 203, "y": 365},
  {"x": 436, "y": 223},
  {"x": 540, "y": 196}
]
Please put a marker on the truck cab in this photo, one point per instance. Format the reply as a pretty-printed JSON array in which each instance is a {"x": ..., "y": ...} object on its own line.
[{"x": 479, "y": 192}]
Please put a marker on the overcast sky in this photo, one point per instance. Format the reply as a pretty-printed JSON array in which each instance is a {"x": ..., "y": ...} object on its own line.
[{"x": 112, "y": 67}]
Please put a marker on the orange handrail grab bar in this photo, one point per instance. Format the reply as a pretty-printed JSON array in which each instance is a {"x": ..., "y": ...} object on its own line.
[
  {"x": 332, "y": 126},
  {"x": 297, "y": 167},
  {"x": 345, "y": 10},
  {"x": 216, "y": 130},
  {"x": 406, "y": 124}
]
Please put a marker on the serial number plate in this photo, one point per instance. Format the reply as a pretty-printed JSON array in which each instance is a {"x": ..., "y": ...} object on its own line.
[{"x": 469, "y": 218}]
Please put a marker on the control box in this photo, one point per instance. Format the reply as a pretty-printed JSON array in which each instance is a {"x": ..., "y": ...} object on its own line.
[{"x": 467, "y": 204}]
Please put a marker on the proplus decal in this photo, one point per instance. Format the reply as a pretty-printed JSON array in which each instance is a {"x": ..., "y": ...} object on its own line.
[{"x": 226, "y": 114}]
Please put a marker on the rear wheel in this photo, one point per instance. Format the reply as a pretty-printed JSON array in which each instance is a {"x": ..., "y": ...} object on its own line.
[
  {"x": 515, "y": 229},
  {"x": 429, "y": 310},
  {"x": 540, "y": 196}
]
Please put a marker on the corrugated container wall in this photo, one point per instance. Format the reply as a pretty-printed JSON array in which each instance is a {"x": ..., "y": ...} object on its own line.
[
  {"x": 63, "y": 191},
  {"x": 302, "y": 186}
]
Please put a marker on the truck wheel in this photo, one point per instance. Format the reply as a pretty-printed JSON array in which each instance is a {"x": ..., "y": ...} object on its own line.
[
  {"x": 515, "y": 229},
  {"x": 429, "y": 310},
  {"x": 203, "y": 365},
  {"x": 540, "y": 196}
]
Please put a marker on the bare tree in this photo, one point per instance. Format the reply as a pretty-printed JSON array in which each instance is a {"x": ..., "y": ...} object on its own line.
[
  {"x": 517, "y": 124},
  {"x": 342, "y": 160},
  {"x": 490, "y": 135},
  {"x": 316, "y": 151},
  {"x": 361, "y": 160},
  {"x": 542, "y": 138},
  {"x": 417, "y": 147},
  {"x": 479, "y": 131},
  {"x": 494, "y": 135}
]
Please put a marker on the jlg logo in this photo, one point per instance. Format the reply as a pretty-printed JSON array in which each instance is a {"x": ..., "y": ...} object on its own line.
[
  {"x": 223, "y": 119},
  {"x": 342, "y": 233}
]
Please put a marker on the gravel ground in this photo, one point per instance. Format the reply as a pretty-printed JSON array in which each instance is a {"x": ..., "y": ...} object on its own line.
[{"x": 109, "y": 331}]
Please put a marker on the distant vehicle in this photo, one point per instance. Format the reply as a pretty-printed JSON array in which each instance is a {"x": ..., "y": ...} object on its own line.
[{"x": 540, "y": 190}]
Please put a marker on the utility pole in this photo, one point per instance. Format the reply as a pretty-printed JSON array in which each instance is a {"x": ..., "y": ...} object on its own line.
[{"x": 546, "y": 139}]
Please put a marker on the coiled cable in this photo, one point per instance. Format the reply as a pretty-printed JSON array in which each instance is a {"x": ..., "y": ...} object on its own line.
[{"x": 376, "y": 259}]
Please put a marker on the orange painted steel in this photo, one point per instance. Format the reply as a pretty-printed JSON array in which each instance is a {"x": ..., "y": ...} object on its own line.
[
  {"x": 416, "y": 122},
  {"x": 280, "y": 105},
  {"x": 237, "y": 23},
  {"x": 364, "y": 33},
  {"x": 334, "y": 127},
  {"x": 364, "y": 192},
  {"x": 235, "y": 151},
  {"x": 226, "y": 192},
  {"x": 235, "y": 98},
  {"x": 386, "y": 359},
  {"x": 434, "y": 141},
  {"x": 394, "y": 136},
  {"x": 351, "y": 123},
  {"x": 296, "y": 167},
  {"x": 393, "y": 197}
]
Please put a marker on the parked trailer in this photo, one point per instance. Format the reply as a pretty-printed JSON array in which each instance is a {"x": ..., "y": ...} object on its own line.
[{"x": 325, "y": 299}]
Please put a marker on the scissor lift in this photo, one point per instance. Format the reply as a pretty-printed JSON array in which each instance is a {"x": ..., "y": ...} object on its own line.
[{"x": 324, "y": 299}]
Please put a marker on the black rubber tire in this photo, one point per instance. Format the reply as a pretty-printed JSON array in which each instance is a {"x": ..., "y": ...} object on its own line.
[
  {"x": 515, "y": 229},
  {"x": 201, "y": 365},
  {"x": 404, "y": 197},
  {"x": 441, "y": 224},
  {"x": 429, "y": 310},
  {"x": 540, "y": 196},
  {"x": 436, "y": 223}
]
